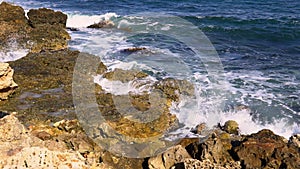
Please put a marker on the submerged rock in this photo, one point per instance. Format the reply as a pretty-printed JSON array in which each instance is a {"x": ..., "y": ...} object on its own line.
[{"x": 7, "y": 84}]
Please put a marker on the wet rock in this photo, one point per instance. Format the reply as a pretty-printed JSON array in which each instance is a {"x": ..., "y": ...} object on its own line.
[
  {"x": 124, "y": 75},
  {"x": 133, "y": 49},
  {"x": 200, "y": 129},
  {"x": 266, "y": 150},
  {"x": 14, "y": 25},
  {"x": 171, "y": 157},
  {"x": 102, "y": 24},
  {"x": 7, "y": 84},
  {"x": 45, "y": 29},
  {"x": 48, "y": 37},
  {"x": 45, "y": 86},
  {"x": 172, "y": 88},
  {"x": 231, "y": 127},
  {"x": 38, "y": 17}
]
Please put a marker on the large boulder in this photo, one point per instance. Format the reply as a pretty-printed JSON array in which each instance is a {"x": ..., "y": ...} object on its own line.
[
  {"x": 14, "y": 25},
  {"x": 216, "y": 148},
  {"x": 171, "y": 157},
  {"x": 45, "y": 29},
  {"x": 266, "y": 150},
  {"x": 7, "y": 84},
  {"x": 38, "y": 17}
]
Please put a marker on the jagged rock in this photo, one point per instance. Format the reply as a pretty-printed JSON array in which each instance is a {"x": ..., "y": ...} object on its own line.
[
  {"x": 295, "y": 140},
  {"x": 231, "y": 127},
  {"x": 71, "y": 126},
  {"x": 133, "y": 49},
  {"x": 12, "y": 13},
  {"x": 266, "y": 150},
  {"x": 7, "y": 84},
  {"x": 44, "y": 31},
  {"x": 171, "y": 157},
  {"x": 19, "y": 148},
  {"x": 205, "y": 164},
  {"x": 38, "y": 17},
  {"x": 102, "y": 24},
  {"x": 216, "y": 148}
]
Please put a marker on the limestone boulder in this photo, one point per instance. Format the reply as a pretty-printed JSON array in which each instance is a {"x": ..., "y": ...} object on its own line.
[{"x": 7, "y": 84}]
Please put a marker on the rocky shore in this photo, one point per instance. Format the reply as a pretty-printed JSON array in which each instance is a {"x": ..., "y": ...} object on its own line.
[{"x": 39, "y": 127}]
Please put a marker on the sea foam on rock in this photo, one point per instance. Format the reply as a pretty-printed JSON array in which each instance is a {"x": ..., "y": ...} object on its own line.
[{"x": 45, "y": 29}]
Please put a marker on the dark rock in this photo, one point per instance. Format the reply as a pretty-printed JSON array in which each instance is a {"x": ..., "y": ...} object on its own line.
[
  {"x": 266, "y": 150},
  {"x": 43, "y": 16},
  {"x": 133, "y": 49},
  {"x": 3, "y": 114},
  {"x": 72, "y": 29},
  {"x": 102, "y": 24}
]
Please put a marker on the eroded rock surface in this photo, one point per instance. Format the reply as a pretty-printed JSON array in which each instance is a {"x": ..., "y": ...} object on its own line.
[
  {"x": 45, "y": 29},
  {"x": 7, "y": 84}
]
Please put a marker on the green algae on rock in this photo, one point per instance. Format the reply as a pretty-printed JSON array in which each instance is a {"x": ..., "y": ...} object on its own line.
[{"x": 45, "y": 81}]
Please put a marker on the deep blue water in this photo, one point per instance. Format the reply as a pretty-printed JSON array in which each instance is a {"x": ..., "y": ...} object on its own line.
[{"x": 258, "y": 43}]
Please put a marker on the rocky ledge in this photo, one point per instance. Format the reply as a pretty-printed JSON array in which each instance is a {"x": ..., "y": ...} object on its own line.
[
  {"x": 44, "y": 29},
  {"x": 45, "y": 132}
]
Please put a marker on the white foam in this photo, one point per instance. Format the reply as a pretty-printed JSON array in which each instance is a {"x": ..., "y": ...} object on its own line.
[
  {"x": 12, "y": 52},
  {"x": 248, "y": 126},
  {"x": 119, "y": 88},
  {"x": 12, "y": 55},
  {"x": 82, "y": 21}
]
